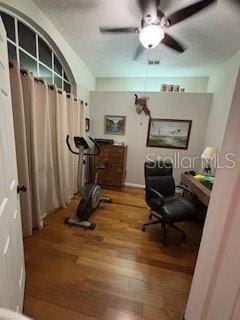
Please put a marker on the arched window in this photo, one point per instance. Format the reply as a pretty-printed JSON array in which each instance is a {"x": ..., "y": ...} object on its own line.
[{"x": 33, "y": 52}]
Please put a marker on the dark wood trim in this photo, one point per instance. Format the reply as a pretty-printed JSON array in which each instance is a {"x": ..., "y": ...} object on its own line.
[{"x": 169, "y": 120}]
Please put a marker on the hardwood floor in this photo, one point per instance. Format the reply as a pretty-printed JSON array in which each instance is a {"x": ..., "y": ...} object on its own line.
[{"x": 115, "y": 272}]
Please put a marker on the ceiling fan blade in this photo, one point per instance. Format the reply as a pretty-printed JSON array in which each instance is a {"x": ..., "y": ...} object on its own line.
[
  {"x": 139, "y": 51},
  {"x": 173, "y": 43},
  {"x": 118, "y": 30},
  {"x": 189, "y": 11},
  {"x": 143, "y": 4}
]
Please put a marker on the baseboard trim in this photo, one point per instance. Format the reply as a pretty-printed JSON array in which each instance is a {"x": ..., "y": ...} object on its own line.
[{"x": 135, "y": 185}]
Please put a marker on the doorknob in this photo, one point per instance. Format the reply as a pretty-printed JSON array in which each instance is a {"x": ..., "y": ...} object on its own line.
[{"x": 21, "y": 189}]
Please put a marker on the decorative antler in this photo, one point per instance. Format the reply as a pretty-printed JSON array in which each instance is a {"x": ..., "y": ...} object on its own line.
[{"x": 141, "y": 105}]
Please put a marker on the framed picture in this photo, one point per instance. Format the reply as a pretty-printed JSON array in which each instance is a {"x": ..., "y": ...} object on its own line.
[
  {"x": 169, "y": 133},
  {"x": 87, "y": 124},
  {"x": 114, "y": 124}
]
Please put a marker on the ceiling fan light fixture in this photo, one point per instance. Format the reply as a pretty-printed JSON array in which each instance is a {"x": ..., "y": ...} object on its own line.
[{"x": 150, "y": 36}]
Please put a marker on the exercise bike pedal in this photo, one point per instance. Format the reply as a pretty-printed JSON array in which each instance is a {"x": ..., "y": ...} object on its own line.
[
  {"x": 74, "y": 221},
  {"x": 105, "y": 199}
]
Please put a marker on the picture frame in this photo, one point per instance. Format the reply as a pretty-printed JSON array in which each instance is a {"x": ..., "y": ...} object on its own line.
[
  {"x": 115, "y": 125},
  {"x": 87, "y": 124},
  {"x": 169, "y": 133}
]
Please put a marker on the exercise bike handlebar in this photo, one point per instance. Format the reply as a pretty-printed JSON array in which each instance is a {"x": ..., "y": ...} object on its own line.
[
  {"x": 69, "y": 146},
  {"x": 86, "y": 154},
  {"x": 98, "y": 150}
]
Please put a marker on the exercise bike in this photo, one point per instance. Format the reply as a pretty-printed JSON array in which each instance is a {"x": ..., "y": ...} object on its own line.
[{"x": 90, "y": 192}]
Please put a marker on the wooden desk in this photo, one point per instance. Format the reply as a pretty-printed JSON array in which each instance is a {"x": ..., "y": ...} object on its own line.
[{"x": 197, "y": 188}]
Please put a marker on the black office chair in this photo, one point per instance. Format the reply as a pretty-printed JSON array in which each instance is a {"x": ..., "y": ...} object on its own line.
[{"x": 166, "y": 206}]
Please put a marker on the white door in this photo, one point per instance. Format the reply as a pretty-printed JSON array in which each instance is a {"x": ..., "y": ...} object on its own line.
[
  {"x": 215, "y": 292},
  {"x": 12, "y": 270}
]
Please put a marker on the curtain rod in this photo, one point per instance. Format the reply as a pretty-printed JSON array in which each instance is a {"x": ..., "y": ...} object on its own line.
[{"x": 41, "y": 81}]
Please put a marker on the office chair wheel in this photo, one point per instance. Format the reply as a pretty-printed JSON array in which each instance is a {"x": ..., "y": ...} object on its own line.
[{"x": 143, "y": 229}]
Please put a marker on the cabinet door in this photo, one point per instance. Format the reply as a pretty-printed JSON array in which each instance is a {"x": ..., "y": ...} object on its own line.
[
  {"x": 114, "y": 157},
  {"x": 12, "y": 271}
]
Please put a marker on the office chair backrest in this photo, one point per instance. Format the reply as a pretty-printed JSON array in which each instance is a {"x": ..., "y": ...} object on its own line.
[{"x": 158, "y": 175}]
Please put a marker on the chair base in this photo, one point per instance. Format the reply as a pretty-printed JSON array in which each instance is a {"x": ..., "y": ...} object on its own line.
[{"x": 164, "y": 224}]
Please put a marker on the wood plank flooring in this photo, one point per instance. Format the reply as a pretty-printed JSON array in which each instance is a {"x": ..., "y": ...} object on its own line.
[{"x": 115, "y": 272}]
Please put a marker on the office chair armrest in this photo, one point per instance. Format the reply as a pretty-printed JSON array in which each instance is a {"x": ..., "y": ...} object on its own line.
[{"x": 157, "y": 194}]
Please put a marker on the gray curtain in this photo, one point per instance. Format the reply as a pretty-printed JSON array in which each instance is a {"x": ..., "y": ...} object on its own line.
[{"x": 43, "y": 117}]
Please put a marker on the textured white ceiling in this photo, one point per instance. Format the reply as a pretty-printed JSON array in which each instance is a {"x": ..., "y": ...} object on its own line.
[{"x": 212, "y": 37}]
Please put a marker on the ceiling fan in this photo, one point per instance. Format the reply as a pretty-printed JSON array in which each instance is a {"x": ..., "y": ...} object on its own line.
[{"x": 154, "y": 24}]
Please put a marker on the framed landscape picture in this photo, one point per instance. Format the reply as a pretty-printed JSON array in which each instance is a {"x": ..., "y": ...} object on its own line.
[
  {"x": 114, "y": 124},
  {"x": 169, "y": 133}
]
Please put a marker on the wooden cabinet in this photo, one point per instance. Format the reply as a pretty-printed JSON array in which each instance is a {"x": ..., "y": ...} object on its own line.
[{"x": 114, "y": 157}]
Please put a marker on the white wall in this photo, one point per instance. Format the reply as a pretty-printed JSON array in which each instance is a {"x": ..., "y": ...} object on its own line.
[
  {"x": 84, "y": 94},
  {"x": 84, "y": 78},
  {"x": 191, "y": 84},
  {"x": 189, "y": 106},
  {"x": 222, "y": 84}
]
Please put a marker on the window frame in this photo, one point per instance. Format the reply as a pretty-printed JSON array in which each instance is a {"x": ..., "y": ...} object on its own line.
[{"x": 36, "y": 59}]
